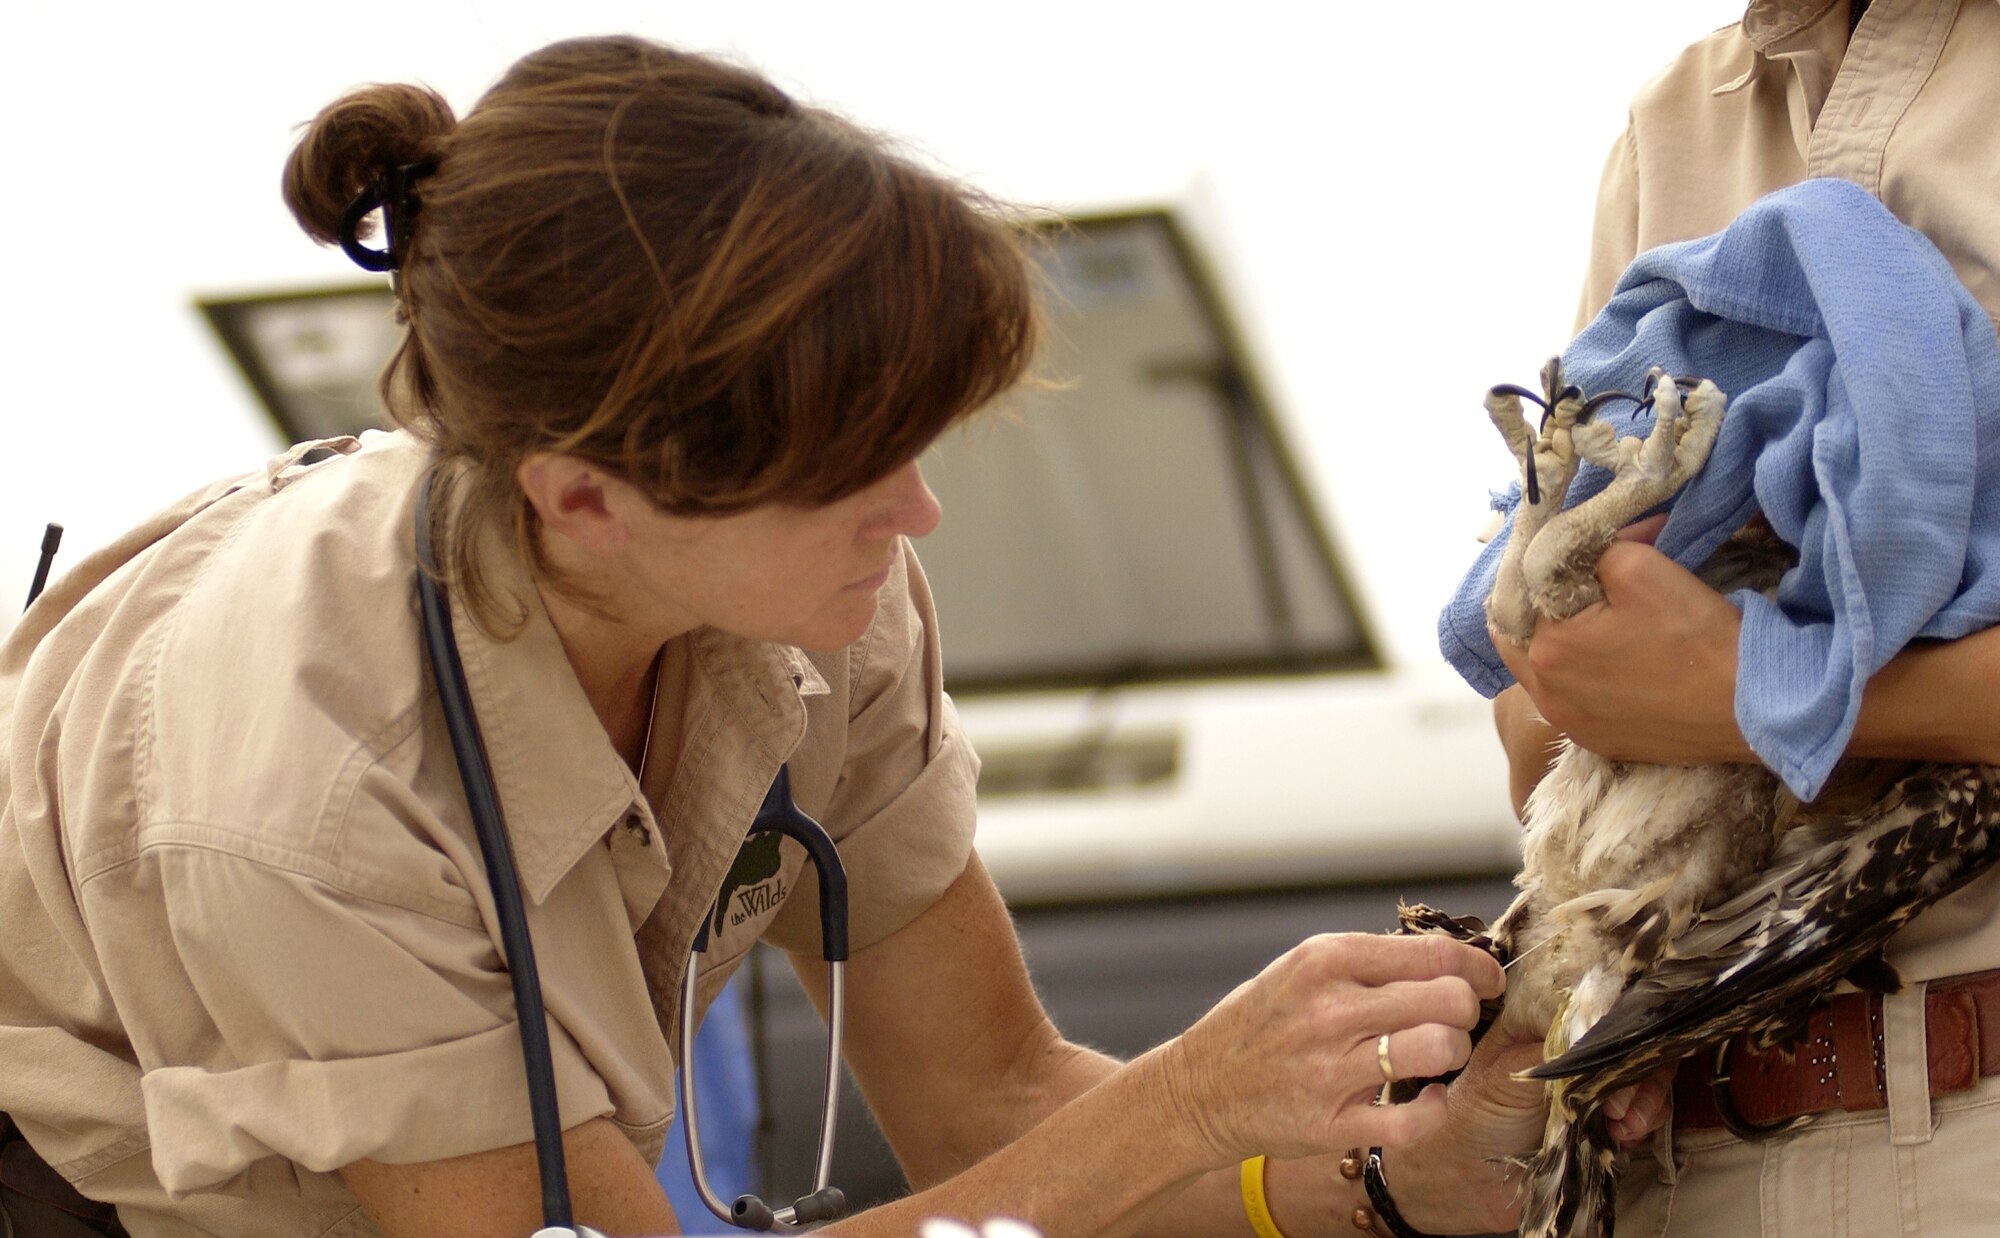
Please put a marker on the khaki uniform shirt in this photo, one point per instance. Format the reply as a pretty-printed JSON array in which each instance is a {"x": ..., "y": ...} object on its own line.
[
  {"x": 246, "y": 937},
  {"x": 1909, "y": 113}
]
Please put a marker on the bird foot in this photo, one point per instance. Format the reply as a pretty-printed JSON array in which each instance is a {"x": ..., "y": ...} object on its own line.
[{"x": 1559, "y": 568}]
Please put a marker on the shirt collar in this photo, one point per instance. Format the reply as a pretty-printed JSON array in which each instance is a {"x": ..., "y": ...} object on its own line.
[
  {"x": 1804, "y": 40},
  {"x": 1769, "y": 24},
  {"x": 560, "y": 782}
]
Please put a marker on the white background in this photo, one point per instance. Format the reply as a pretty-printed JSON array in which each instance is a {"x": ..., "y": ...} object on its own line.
[{"x": 1399, "y": 197}]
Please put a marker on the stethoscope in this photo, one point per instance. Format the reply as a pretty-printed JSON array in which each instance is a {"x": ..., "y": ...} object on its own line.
[{"x": 778, "y": 812}]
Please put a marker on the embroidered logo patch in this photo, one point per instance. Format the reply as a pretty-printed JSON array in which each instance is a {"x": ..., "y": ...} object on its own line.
[{"x": 753, "y": 886}]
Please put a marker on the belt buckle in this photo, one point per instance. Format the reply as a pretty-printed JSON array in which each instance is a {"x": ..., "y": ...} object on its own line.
[{"x": 1725, "y": 1104}]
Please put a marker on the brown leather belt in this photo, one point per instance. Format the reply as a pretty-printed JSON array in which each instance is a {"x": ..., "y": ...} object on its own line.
[{"x": 1839, "y": 1064}]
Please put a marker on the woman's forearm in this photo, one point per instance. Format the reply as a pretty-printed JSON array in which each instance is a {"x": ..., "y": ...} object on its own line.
[
  {"x": 1128, "y": 1158},
  {"x": 1530, "y": 743},
  {"x": 994, "y": 1113},
  {"x": 1935, "y": 701},
  {"x": 1102, "y": 1164},
  {"x": 1309, "y": 1197}
]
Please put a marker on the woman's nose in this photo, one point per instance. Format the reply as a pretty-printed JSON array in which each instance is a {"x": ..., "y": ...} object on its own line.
[{"x": 916, "y": 509}]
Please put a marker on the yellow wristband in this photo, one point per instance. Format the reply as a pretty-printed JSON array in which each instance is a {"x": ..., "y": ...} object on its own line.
[{"x": 1251, "y": 1178}]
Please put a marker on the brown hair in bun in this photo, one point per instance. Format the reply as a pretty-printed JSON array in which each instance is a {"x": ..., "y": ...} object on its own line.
[
  {"x": 349, "y": 144},
  {"x": 662, "y": 263}
]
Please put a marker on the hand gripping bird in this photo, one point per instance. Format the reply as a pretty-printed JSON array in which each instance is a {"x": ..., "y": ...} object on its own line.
[{"x": 1665, "y": 910}]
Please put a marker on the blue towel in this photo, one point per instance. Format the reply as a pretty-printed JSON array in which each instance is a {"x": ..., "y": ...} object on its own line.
[{"x": 1864, "y": 422}]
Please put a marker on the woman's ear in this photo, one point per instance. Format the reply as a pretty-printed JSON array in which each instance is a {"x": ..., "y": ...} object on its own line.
[{"x": 573, "y": 499}]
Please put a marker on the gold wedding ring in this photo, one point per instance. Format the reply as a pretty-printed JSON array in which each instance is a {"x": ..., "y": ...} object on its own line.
[{"x": 1382, "y": 1058}]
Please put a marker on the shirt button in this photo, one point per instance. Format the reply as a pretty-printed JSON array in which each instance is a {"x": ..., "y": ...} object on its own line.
[{"x": 637, "y": 829}]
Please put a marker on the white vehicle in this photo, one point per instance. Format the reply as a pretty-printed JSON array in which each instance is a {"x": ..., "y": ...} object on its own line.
[{"x": 1148, "y": 631}]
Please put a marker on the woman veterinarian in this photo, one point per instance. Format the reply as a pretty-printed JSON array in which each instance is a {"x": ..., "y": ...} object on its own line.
[{"x": 674, "y": 344}]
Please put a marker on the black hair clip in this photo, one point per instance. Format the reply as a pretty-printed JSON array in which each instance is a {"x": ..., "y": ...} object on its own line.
[{"x": 394, "y": 194}]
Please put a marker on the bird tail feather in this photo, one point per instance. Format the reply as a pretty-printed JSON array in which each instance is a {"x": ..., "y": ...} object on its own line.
[{"x": 1572, "y": 1182}]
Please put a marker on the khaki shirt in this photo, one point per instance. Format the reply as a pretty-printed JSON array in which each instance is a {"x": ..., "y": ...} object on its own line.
[
  {"x": 246, "y": 937},
  {"x": 1908, "y": 112}
]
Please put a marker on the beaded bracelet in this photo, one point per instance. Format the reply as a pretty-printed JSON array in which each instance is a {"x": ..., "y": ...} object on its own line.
[{"x": 1384, "y": 1220}]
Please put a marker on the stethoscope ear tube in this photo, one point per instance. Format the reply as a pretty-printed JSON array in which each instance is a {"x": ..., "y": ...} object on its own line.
[
  {"x": 484, "y": 801},
  {"x": 780, "y": 813},
  {"x": 825, "y": 1203}
]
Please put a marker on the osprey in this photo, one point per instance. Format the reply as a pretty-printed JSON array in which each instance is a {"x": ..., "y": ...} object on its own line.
[{"x": 1665, "y": 910}]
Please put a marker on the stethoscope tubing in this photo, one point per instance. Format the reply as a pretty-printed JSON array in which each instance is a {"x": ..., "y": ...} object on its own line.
[
  {"x": 748, "y": 1211},
  {"x": 483, "y": 800},
  {"x": 778, "y": 812}
]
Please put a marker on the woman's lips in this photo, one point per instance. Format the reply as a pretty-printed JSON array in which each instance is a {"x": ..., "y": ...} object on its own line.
[{"x": 874, "y": 580}]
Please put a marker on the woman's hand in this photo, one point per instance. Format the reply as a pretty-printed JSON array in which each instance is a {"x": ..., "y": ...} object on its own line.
[
  {"x": 1457, "y": 1180},
  {"x": 1286, "y": 1065},
  {"x": 1637, "y": 1111},
  {"x": 1460, "y": 1179},
  {"x": 1648, "y": 674}
]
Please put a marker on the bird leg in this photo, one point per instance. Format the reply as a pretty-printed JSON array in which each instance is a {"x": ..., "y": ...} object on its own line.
[
  {"x": 1559, "y": 568},
  {"x": 1548, "y": 457}
]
